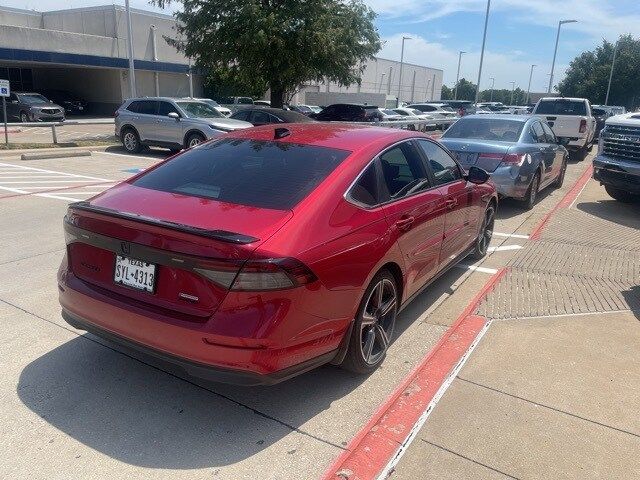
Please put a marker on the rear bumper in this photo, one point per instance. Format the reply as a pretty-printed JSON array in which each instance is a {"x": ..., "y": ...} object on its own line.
[
  {"x": 199, "y": 370},
  {"x": 617, "y": 173},
  {"x": 264, "y": 355},
  {"x": 512, "y": 182}
]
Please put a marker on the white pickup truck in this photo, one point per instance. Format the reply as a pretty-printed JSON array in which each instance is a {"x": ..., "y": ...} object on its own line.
[{"x": 570, "y": 119}]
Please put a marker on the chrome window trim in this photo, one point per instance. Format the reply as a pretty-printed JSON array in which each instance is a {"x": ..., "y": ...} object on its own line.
[{"x": 347, "y": 193}]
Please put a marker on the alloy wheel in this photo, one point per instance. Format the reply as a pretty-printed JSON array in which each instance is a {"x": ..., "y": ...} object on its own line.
[
  {"x": 24, "y": 118},
  {"x": 130, "y": 141},
  {"x": 486, "y": 233},
  {"x": 378, "y": 319},
  {"x": 195, "y": 140}
]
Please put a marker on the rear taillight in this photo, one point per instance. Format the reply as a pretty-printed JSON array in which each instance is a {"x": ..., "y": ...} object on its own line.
[
  {"x": 514, "y": 159},
  {"x": 583, "y": 126},
  {"x": 115, "y": 114},
  {"x": 259, "y": 275}
]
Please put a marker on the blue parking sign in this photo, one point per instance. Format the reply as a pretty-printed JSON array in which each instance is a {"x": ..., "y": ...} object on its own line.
[{"x": 4, "y": 90}]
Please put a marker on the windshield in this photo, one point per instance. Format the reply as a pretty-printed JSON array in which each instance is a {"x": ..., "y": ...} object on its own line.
[
  {"x": 32, "y": 98},
  {"x": 199, "y": 110},
  {"x": 415, "y": 112},
  {"x": 562, "y": 107},
  {"x": 263, "y": 174},
  {"x": 245, "y": 100},
  {"x": 212, "y": 103},
  {"x": 447, "y": 108},
  {"x": 599, "y": 111},
  {"x": 387, "y": 111},
  {"x": 486, "y": 129}
]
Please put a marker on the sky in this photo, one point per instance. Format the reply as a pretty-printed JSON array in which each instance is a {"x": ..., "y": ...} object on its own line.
[{"x": 520, "y": 33}]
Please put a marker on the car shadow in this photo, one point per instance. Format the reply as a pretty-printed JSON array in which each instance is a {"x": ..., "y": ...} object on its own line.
[
  {"x": 625, "y": 214},
  {"x": 510, "y": 207},
  {"x": 147, "y": 413},
  {"x": 632, "y": 298},
  {"x": 148, "y": 152},
  {"x": 134, "y": 412}
]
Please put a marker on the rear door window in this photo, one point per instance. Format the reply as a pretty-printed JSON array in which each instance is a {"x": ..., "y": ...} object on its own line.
[
  {"x": 261, "y": 118},
  {"x": 548, "y": 133},
  {"x": 538, "y": 133},
  {"x": 242, "y": 115},
  {"x": 148, "y": 107},
  {"x": 261, "y": 174},
  {"x": 403, "y": 171}
]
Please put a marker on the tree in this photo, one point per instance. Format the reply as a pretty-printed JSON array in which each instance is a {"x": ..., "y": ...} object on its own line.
[
  {"x": 447, "y": 93},
  {"x": 588, "y": 73},
  {"x": 279, "y": 44}
]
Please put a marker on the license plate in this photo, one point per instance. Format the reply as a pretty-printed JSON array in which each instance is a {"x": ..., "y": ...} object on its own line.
[
  {"x": 135, "y": 274},
  {"x": 466, "y": 159}
]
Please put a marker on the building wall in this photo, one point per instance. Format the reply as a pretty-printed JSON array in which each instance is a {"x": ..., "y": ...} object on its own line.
[
  {"x": 381, "y": 76},
  {"x": 20, "y": 18}
]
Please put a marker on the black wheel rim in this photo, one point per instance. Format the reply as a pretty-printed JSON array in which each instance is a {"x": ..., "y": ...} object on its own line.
[
  {"x": 487, "y": 231},
  {"x": 378, "y": 319}
]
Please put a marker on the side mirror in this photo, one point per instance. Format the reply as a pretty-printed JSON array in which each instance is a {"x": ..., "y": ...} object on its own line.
[
  {"x": 564, "y": 141},
  {"x": 477, "y": 175},
  {"x": 173, "y": 115}
]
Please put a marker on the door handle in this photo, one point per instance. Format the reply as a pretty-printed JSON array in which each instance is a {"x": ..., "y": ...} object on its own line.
[
  {"x": 405, "y": 223},
  {"x": 450, "y": 203}
]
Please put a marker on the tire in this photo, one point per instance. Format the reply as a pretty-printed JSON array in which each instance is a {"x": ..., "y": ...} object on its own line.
[
  {"x": 580, "y": 154},
  {"x": 193, "y": 139},
  {"x": 24, "y": 117},
  {"x": 532, "y": 193},
  {"x": 486, "y": 233},
  {"x": 373, "y": 329},
  {"x": 621, "y": 195},
  {"x": 560, "y": 180},
  {"x": 131, "y": 140}
]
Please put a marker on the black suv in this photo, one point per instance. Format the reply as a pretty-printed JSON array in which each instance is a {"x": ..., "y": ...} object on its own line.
[{"x": 349, "y": 112}]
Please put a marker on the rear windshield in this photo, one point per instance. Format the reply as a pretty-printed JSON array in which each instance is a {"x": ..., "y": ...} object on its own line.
[
  {"x": 599, "y": 111},
  {"x": 561, "y": 107},
  {"x": 260, "y": 174},
  {"x": 486, "y": 129}
]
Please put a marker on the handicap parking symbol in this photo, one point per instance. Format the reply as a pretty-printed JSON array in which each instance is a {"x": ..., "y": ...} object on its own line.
[{"x": 3, "y": 90}]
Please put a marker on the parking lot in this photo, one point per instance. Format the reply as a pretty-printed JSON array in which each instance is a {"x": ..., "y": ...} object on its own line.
[{"x": 77, "y": 406}]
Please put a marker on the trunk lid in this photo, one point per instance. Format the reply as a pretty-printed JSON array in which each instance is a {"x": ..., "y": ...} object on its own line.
[
  {"x": 180, "y": 235},
  {"x": 486, "y": 154},
  {"x": 565, "y": 125}
]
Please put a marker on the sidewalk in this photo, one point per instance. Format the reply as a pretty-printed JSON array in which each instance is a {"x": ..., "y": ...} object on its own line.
[{"x": 553, "y": 389}]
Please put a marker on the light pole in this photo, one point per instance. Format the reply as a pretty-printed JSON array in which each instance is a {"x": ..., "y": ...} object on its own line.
[
  {"x": 400, "y": 73},
  {"x": 132, "y": 71},
  {"x": 555, "y": 51},
  {"x": 455, "y": 90},
  {"x": 513, "y": 87},
  {"x": 529, "y": 87},
  {"x": 613, "y": 64},
  {"x": 484, "y": 40},
  {"x": 381, "y": 80},
  {"x": 493, "y": 83}
]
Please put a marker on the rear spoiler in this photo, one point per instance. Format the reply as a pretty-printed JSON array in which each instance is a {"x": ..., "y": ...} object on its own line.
[{"x": 221, "y": 235}]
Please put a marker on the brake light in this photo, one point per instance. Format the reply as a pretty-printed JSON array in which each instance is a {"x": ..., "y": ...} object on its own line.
[
  {"x": 514, "y": 159},
  {"x": 259, "y": 275},
  {"x": 115, "y": 114},
  {"x": 583, "y": 125}
]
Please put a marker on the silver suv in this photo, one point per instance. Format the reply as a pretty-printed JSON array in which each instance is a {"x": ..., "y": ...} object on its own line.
[{"x": 172, "y": 123}]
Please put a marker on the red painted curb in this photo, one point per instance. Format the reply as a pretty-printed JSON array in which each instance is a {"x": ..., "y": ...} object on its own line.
[
  {"x": 379, "y": 440},
  {"x": 564, "y": 202}
]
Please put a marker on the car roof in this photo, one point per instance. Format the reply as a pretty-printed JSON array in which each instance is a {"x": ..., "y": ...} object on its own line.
[
  {"x": 343, "y": 136},
  {"x": 287, "y": 115}
]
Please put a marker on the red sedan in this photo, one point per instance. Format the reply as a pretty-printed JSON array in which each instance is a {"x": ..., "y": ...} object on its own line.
[{"x": 271, "y": 251}]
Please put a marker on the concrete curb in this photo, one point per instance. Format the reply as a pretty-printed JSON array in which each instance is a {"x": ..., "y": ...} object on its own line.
[
  {"x": 50, "y": 155},
  {"x": 66, "y": 150}
]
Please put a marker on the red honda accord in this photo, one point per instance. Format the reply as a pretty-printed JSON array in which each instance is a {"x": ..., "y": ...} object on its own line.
[{"x": 270, "y": 251}]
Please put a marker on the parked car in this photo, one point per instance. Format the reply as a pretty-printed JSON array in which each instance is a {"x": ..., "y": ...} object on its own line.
[
  {"x": 462, "y": 107},
  {"x": 72, "y": 104},
  {"x": 264, "y": 116},
  {"x": 262, "y": 103},
  {"x": 601, "y": 115},
  {"x": 435, "y": 110},
  {"x": 570, "y": 119},
  {"x": 389, "y": 115},
  {"x": 493, "y": 107},
  {"x": 216, "y": 106},
  {"x": 304, "y": 109},
  {"x": 349, "y": 112},
  {"x": 33, "y": 107},
  {"x": 518, "y": 109},
  {"x": 271, "y": 251},
  {"x": 408, "y": 113},
  {"x": 521, "y": 153},
  {"x": 173, "y": 123},
  {"x": 235, "y": 101},
  {"x": 617, "y": 165}
]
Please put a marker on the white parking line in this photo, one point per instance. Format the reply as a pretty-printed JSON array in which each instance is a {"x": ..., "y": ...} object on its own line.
[
  {"x": 52, "y": 171},
  {"x": 127, "y": 155},
  {"x": 504, "y": 248},
  {"x": 510, "y": 235}
]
